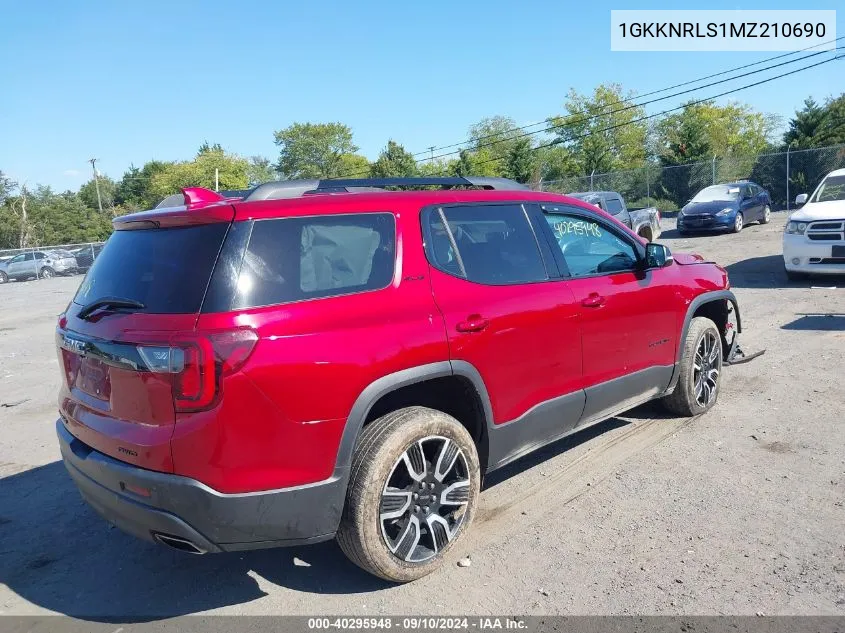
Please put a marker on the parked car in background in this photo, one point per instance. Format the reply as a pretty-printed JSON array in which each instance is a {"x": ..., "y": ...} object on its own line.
[
  {"x": 44, "y": 264},
  {"x": 726, "y": 207},
  {"x": 296, "y": 365},
  {"x": 85, "y": 256},
  {"x": 814, "y": 238},
  {"x": 644, "y": 221}
]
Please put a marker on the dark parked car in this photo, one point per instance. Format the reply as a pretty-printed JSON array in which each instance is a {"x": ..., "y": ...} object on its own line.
[
  {"x": 86, "y": 255},
  {"x": 726, "y": 207},
  {"x": 296, "y": 365}
]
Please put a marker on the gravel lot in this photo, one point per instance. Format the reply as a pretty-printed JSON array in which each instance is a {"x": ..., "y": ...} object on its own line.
[{"x": 737, "y": 512}]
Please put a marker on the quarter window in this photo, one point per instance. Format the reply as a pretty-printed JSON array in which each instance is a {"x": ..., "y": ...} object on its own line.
[
  {"x": 292, "y": 259},
  {"x": 589, "y": 247},
  {"x": 487, "y": 244}
]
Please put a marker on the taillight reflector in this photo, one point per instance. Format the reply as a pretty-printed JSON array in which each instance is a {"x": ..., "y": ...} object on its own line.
[{"x": 197, "y": 362}]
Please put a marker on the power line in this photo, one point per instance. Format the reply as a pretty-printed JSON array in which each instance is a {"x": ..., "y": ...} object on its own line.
[
  {"x": 647, "y": 94},
  {"x": 570, "y": 123},
  {"x": 651, "y": 116}
]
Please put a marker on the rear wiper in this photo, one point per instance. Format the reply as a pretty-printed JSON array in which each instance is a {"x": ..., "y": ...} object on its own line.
[{"x": 110, "y": 302}]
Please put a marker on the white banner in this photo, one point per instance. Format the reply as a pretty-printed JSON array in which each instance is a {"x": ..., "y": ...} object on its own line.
[{"x": 723, "y": 30}]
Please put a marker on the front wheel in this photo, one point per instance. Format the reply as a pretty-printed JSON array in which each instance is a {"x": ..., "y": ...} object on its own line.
[
  {"x": 412, "y": 493},
  {"x": 767, "y": 215},
  {"x": 700, "y": 370},
  {"x": 738, "y": 223}
]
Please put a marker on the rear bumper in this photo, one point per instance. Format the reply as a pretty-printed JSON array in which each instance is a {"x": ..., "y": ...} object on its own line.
[{"x": 189, "y": 510}]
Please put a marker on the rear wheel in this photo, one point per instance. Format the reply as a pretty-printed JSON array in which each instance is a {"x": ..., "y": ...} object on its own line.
[
  {"x": 412, "y": 493},
  {"x": 738, "y": 223},
  {"x": 767, "y": 215},
  {"x": 47, "y": 273},
  {"x": 700, "y": 370}
]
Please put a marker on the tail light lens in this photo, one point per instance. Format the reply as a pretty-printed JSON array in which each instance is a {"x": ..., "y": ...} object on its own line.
[{"x": 197, "y": 362}]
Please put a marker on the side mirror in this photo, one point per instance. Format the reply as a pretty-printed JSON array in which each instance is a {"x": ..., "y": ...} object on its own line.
[
  {"x": 801, "y": 198},
  {"x": 657, "y": 256}
]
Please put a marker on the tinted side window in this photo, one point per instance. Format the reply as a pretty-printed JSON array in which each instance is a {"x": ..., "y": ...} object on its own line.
[
  {"x": 292, "y": 259},
  {"x": 614, "y": 206},
  {"x": 495, "y": 244},
  {"x": 589, "y": 247},
  {"x": 39, "y": 255}
]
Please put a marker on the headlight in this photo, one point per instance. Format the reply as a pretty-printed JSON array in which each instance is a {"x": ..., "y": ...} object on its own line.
[
  {"x": 726, "y": 211},
  {"x": 796, "y": 228}
]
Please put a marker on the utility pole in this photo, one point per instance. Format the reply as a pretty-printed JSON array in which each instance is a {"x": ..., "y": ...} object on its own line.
[
  {"x": 431, "y": 149},
  {"x": 216, "y": 179},
  {"x": 93, "y": 162}
]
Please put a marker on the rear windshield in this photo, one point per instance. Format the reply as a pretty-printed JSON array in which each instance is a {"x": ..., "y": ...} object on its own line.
[{"x": 165, "y": 269}]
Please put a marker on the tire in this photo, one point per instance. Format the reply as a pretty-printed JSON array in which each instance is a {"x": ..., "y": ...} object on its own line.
[
  {"x": 382, "y": 544},
  {"x": 685, "y": 400},
  {"x": 47, "y": 273},
  {"x": 767, "y": 215},
  {"x": 3, "y": 277},
  {"x": 739, "y": 222}
]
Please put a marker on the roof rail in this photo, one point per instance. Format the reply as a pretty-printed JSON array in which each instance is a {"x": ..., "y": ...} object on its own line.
[{"x": 297, "y": 188}]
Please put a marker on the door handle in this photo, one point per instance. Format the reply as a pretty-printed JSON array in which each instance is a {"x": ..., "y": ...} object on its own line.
[
  {"x": 594, "y": 300},
  {"x": 473, "y": 323}
]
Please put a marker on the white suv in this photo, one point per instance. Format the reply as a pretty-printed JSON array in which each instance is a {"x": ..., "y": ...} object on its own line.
[{"x": 814, "y": 239}]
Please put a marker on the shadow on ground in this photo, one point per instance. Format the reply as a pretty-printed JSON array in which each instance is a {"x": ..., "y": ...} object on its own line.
[
  {"x": 768, "y": 272},
  {"x": 821, "y": 322},
  {"x": 56, "y": 553}
]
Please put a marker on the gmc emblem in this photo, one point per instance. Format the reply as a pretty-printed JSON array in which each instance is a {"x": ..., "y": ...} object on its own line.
[{"x": 75, "y": 345}]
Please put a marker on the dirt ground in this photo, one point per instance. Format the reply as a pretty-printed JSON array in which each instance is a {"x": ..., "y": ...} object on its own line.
[{"x": 737, "y": 512}]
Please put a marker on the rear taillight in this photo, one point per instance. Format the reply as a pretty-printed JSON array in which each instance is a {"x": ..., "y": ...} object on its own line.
[{"x": 197, "y": 362}]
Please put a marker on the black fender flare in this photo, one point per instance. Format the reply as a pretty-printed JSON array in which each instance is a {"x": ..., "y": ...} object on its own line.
[
  {"x": 391, "y": 382},
  {"x": 695, "y": 304}
]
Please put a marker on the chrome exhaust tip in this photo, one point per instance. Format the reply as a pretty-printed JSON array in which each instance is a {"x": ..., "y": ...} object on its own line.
[{"x": 178, "y": 543}]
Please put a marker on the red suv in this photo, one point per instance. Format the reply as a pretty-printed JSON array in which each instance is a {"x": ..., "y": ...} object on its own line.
[{"x": 341, "y": 358}]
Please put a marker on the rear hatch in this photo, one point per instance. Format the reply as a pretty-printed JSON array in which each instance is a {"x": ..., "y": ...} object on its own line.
[{"x": 125, "y": 346}]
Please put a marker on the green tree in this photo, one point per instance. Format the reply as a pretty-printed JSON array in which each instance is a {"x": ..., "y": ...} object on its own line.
[
  {"x": 520, "y": 161},
  {"x": 352, "y": 166},
  {"x": 602, "y": 133},
  {"x": 108, "y": 190},
  {"x": 133, "y": 191},
  {"x": 394, "y": 161},
  {"x": 233, "y": 173},
  {"x": 496, "y": 136},
  {"x": 261, "y": 170},
  {"x": 817, "y": 126},
  {"x": 470, "y": 163},
  {"x": 313, "y": 150},
  {"x": 7, "y": 186}
]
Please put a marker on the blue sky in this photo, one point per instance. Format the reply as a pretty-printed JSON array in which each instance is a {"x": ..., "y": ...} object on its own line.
[{"x": 128, "y": 82}]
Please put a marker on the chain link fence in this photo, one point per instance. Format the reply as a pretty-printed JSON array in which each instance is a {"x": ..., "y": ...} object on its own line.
[
  {"x": 783, "y": 174},
  {"x": 44, "y": 262}
]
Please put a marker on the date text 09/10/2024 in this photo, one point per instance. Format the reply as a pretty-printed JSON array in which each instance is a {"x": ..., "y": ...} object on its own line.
[{"x": 418, "y": 623}]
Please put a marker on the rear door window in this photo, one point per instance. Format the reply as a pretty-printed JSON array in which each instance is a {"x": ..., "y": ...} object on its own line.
[
  {"x": 488, "y": 244},
  {"x": 294, "y": 259},
  {"x": 165, "y": 269}
]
